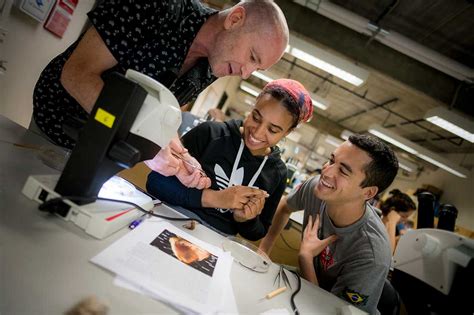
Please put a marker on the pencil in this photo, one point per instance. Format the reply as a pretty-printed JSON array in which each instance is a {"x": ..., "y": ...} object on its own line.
[{"x": 275, "y": 293}]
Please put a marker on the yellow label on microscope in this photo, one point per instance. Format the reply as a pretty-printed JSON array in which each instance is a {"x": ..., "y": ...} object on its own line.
[{"x": 104, "y": 117}]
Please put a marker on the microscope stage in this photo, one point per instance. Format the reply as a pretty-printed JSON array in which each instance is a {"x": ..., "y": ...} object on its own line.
[{"x": 100, "y": 218}]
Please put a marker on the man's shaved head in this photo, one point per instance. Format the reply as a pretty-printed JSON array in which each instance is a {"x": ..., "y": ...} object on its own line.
[
  {"x": 252, "y": 35},
  {"x": 265, "y": 16}
]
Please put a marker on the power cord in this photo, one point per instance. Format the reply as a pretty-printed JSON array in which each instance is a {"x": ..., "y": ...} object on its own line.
[
  {"x": 298, "y": 288},
  {"x": 46, "y": 206}
]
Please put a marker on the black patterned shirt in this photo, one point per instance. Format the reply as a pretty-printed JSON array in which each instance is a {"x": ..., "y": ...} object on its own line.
[{"x": 151, "y": 37}]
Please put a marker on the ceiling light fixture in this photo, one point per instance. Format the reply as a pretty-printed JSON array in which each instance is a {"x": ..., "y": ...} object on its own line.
[
  {"x": 318, "y": 101},
  {"x": 336, "y": 142},
  {"x": 418, "y": 150},
  {"x": 345, "y": 134},
  {"x": 452, "y": 122},
  {"x": 250, "y": 89},
  {"x": 407, "y": 165},
  {"x": 328, "y": 62},
  {"x": 262, "y": 76}
]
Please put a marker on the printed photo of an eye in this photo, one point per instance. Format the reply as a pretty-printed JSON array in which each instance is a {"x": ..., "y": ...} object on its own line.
[{"x": 187, "y": 253}]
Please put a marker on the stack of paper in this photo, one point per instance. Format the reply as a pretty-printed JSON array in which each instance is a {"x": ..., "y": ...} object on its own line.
[{"x": 165, "y": 263}]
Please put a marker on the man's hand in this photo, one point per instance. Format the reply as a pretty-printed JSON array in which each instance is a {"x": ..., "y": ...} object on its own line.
[
  {"x": 251, "y": 209},
  {"x": 311, "y": 245},
  {"x": 167, "y": 163},
  {"x": 191, "y": 174}
]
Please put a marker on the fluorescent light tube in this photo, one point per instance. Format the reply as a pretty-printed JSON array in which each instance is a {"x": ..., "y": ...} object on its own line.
[
  {"x": 418, "y": 150},
  {"x": 319, "y": 105},
  {"x": 345, "y": 134},
  {"x": 407, "y": 165},
  {"x": 333, "y": 141},
  {"x": 393, "y": 139},
  {"x": 452, "y": 122},
  {"x": 441, "y": 165},
  {"x": 262, "y": 76},
  {"x": 328, "y": 62},
  {"x": 329, "y": 68},
  {"x": 319, "y": 102},
  {"x": 250, "y": 89}
]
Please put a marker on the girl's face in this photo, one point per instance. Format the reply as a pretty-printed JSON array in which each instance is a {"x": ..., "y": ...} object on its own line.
[
  {"x": 266, "y": 125},
  {"x": 405, "y": 215}
]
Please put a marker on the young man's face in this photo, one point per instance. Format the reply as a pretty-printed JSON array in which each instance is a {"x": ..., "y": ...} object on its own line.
[{"x": 342, "y": 175}]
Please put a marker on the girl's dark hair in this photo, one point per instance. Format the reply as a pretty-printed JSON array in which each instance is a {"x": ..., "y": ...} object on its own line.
[
  {"x": 401, "y": 202},
  {"x": 287, "y": 101}
]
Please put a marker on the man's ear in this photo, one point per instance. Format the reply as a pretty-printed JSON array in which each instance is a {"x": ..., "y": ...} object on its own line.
[
  {"x": 235, "y": 18},
  {"x": 370, "y": 192}
]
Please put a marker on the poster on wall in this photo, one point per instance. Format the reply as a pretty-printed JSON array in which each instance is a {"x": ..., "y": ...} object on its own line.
[
  {"x": 37, "y": 9},
  {"x": 60, "y": 16}
]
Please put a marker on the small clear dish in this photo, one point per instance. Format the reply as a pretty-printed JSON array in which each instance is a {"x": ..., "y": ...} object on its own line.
[{"x": 247, "y": 254}]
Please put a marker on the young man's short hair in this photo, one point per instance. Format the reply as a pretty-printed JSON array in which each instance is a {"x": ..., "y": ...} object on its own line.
[{"x": 383, "y": 168}]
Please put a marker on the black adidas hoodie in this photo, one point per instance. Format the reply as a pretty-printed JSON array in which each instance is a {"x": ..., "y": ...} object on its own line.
[{"x": 216, "y": 145}]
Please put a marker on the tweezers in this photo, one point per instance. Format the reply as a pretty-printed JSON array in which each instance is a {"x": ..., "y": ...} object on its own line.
[
  {"x": 281, "y": 276},
  {"x": 195, "y": 167}
]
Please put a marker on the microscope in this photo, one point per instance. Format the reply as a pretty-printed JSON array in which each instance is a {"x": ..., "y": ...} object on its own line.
[
  {"x": 133, "y": 118},
  {"x": 431, "y": 267}
]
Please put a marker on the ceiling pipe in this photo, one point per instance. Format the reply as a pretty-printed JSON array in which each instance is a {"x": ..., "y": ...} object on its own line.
[
  {"x": 293, "y": 64},
  {"x": 392, "y": 39},
  {"x": 379, "y": 19}
]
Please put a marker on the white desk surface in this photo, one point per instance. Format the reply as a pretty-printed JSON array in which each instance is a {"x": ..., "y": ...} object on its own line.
[
  {"x": 297, "y": 216},
  {"x": 44, "y": 261}
]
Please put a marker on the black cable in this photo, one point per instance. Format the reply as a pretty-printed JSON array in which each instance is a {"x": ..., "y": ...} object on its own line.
[
  {"x": 293, "y": 305},
  {"x": 43, "y": 206}
]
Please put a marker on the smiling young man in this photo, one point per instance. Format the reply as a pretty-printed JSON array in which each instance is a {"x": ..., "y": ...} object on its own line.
[{"x": 345, "y": 247}]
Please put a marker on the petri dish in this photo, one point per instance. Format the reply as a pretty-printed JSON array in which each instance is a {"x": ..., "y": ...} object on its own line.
[{"x": 247, "y": 254}]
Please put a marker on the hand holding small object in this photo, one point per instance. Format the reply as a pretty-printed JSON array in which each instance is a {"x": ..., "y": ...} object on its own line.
[
  {"x": 191, "y": 174},
  {"x": 250, "y": 210},
  {"x": 164, "y": 162},
  {"x": 236, "y": 197}
]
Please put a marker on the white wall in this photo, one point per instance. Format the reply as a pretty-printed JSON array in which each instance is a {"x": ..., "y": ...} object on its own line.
[
  {"x": 457, "y": 191},
  {"x": 28, "y": 48}
]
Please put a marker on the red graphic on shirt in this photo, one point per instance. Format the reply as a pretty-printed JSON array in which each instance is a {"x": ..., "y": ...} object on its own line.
[{"x": 326, "y": 258}]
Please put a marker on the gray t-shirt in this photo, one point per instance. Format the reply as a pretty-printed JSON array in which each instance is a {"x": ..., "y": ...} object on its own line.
[{"x": 355, "y": 266}]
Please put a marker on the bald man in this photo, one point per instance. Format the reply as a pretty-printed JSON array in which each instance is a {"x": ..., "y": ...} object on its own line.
[{"x": 156, "y": 37}]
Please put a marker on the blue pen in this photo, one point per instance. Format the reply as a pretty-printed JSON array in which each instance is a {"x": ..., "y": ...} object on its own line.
[{"x": 136, "y": 222}]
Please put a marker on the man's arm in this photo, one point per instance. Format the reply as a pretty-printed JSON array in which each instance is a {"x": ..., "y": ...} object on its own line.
[
  {"x": 81, "y": 75},
  {"x": 390, "y": 222},
  {"x": 306, "y": 265},
  {"x": 361, "y": 283},
  {"x": 280, "y": 219}
]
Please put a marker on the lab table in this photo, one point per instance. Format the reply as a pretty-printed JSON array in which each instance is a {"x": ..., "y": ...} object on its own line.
[{"x": 44, "y": 260}]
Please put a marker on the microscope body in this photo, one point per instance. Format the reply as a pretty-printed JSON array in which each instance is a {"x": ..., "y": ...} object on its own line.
[{"x": 132, "y": 119}]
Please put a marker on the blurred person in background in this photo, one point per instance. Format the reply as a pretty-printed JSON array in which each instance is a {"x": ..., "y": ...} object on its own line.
[{"x": 395, "y": 213}]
